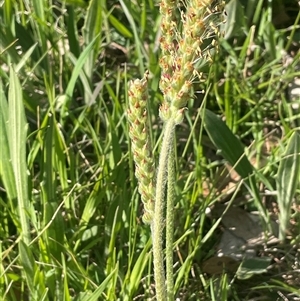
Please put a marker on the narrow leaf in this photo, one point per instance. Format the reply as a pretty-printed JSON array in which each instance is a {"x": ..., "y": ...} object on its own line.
[
  {"x": 6, "y": 171},
  {"x": 231, "y": 148},
  {"x": 233, "y": 151},
  {"x": 287, "y": 181},
  {"x": 17, "y": 135}
]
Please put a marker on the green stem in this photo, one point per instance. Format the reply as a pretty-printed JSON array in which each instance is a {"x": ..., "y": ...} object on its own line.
[
  {"x": 170, "y": 224},
  {"x": 158, "y": 221}
]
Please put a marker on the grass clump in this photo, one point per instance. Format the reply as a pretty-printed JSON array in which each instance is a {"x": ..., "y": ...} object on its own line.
[{"x": 70, "y": 213}]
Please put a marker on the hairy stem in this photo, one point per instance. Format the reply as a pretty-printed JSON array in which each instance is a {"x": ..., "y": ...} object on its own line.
[
  {"x": 170, "y": 224},
  {"x": 158, "y": 222}
]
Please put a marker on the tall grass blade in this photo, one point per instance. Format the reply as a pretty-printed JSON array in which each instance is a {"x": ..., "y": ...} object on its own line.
[
  {"x": 78, "y": 69},
  {"x": 138, "y": 42},
  {"x": 17, "y": 135},
  {"x": 91, "y": 29},
  {"x": 288, "y": 181},
  {"x": 138, "y": 269},
  {"x": 6, "y": 170},
  {"x": 28, "y": 265},
  {"x": 54, "y": 235},
  {"x": 95, "y": 296}
]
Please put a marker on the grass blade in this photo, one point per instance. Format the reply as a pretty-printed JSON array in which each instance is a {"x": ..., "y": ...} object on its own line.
[
  {"x": 231, "y": 148},
  {"x": 17, "y": 135},
  {"x": 78, "y": 68},
  {"x": 98, "y": 292},
  {"x": 287, "y": 181},
  {"x": 233, "y": 151},
  {"x": 5, "y": 163},
  {"x": 91, "y": 29}
]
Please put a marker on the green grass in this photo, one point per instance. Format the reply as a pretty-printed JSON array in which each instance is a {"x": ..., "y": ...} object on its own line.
[{"x": 70, "y": 213}]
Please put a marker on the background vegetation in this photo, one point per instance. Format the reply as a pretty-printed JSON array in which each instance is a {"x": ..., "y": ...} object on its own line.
[{"x": 70, "y": 213}]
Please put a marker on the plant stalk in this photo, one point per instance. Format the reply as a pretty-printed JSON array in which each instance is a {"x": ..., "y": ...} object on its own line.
[
  {"x": 158, "y": 221},
  {"x": 170, "y": 224}
]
